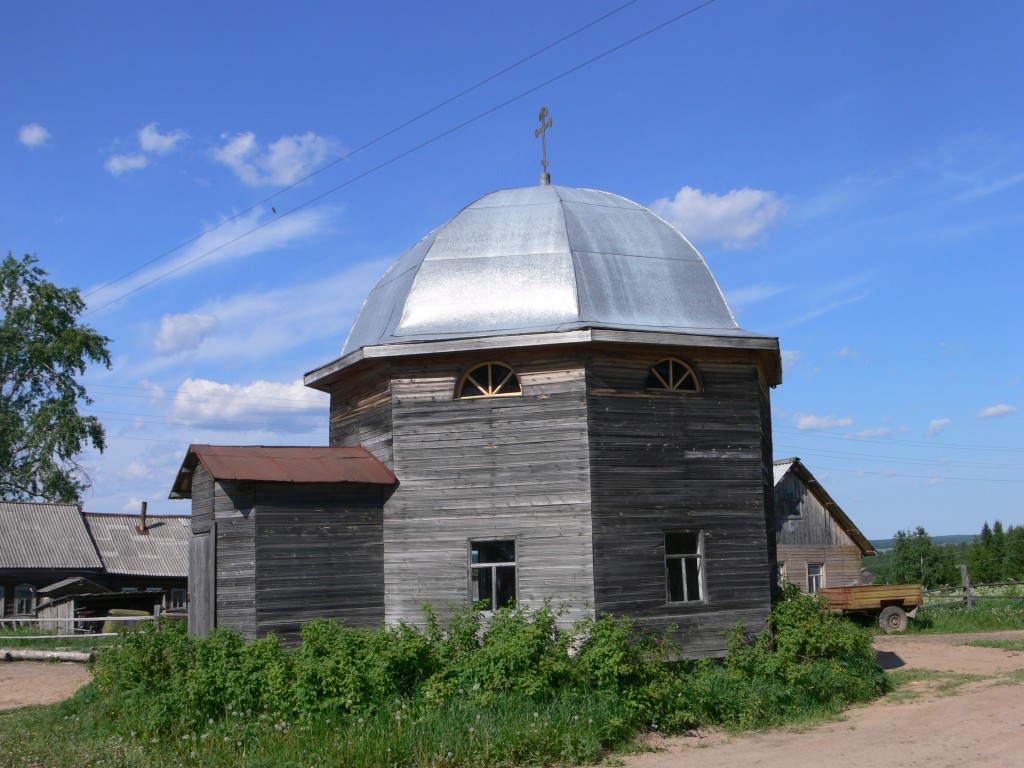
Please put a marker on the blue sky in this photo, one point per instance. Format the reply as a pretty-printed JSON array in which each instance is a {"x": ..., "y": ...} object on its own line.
[{"x": 852, "y": 172}]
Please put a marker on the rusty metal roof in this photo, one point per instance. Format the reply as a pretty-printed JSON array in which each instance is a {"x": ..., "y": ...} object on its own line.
[
  {"x": 161, "y": 551},
  {"x": 282, "y": 464},
  {"x": 40, "y": 535}
]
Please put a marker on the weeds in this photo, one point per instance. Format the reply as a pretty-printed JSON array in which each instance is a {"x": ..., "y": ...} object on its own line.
[{"x": 524, "y": 692}]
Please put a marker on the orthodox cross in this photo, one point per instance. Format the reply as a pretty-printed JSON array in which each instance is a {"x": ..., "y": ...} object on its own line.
[{"x": 545, "y": 123}]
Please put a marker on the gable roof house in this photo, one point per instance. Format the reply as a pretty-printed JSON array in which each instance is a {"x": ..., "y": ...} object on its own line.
[
  {"x": 560, "y": 405},
  {"x": 817, "y": 544},
  {"x": 59, "y": 546}
]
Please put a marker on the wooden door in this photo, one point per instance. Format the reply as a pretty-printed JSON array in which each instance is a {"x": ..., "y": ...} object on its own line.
[{"x": 201, "y": 582}]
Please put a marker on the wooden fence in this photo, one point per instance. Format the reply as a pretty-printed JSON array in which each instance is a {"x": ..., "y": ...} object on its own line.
[
  {"x": 67, "y": 627},
  {"x": 964, "y": 594}
]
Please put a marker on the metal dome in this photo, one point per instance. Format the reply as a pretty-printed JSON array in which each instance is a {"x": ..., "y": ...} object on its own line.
[{"x": 544, "y": 259}]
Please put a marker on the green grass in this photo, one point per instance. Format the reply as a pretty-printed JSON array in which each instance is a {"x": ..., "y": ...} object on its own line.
[
  {"x": 985, "y": 616},
  {"x": 942, "y": 683},
  {"x": 20, "y": 639},
  {"x": 1005, "y": 644}
]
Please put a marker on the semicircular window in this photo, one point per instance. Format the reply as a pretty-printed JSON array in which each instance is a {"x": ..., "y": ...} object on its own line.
[
  {"x": 491, "y": 379},
  {"x": 674, "y": 375}
]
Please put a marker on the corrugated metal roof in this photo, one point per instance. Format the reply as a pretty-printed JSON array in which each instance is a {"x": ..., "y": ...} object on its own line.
[
  {"x": 282, "y": 464},
  {"x": 43, "y": 536},
  {"x": 544, "y": 258},
  {"x": 161, "y": 551},
  {"x": 782, "y": 466}
]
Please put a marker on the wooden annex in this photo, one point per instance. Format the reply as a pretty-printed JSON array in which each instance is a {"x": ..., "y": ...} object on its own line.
[
  {"x": 570, "y": 413},
  {"x": 818, "y": 545}
]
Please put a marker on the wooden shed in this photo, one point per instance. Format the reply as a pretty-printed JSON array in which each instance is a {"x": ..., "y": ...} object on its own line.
[
  {"x": 572, "y": 414},
  {"x": 818, "y": 545},
  {"x": 281, "y": 535}
]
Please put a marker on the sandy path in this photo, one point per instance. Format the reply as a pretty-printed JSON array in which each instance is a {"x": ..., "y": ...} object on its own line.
[
  {"x": 981, "y": 725},
  {"x": 39, "y": 682}
]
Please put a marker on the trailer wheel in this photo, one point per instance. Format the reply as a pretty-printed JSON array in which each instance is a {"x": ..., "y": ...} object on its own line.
[{"x": 892, "y": 619}]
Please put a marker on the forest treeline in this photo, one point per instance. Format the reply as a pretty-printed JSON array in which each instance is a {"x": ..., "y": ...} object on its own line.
[{"x": 996, "y": 554}]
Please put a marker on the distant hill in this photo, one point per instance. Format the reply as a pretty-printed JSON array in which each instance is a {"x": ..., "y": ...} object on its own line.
[{"x": 884, "y": 545}]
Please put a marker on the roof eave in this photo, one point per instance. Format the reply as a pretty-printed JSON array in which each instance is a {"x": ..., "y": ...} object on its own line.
[{"x": 767, "y": 347}]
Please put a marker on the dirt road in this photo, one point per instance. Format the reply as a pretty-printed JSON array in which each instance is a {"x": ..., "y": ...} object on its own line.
[{"x": 968, "y": 713}]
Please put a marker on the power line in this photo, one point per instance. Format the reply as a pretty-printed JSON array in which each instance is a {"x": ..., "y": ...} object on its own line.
[
  {"x": 367, "y": 145},
  {"x": 901, "y": 459},
  {"x": 924, "y": 477},
  {"x": 404, "y": 154},
  {"x": 827, "y": 435}
]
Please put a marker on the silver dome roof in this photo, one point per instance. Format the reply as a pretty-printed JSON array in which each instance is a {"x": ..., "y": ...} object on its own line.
[{"x": 544, "y": 259}]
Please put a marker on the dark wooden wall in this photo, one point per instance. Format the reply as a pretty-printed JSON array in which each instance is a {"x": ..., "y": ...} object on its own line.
[
  {"x": 670, "y": 461},
  {"x": 361, "y": 411},
  {"x": 319, "y": 552},
  {"x": 504, "y": 467},
  {"x": 202, "y": 576}
]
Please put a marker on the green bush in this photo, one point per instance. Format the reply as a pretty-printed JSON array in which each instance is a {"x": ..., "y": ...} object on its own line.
[{"x": 515, "y": 687}]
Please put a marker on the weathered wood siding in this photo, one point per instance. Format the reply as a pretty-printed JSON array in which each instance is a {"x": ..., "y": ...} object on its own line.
[
  {"x": 202, "y": 564},
  {"x": 502, "y": 467},
  {"x": 361, "y": 411},
  {"x": 807, "y": 533},
  {"x": 842, "y": 564},
  {"x": 319, "y": 552},
  {"x": 233, "y": 508},
  {"x": 663, "y": 461}
]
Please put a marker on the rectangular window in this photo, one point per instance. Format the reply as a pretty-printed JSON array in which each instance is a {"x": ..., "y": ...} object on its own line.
[
  {"x": 24, "y": 599},
  {"x": 684, "y": 567},
  {"x": 780, "y": 574},
  {"x": 492, "y": 573},
  {"x": 178, "y": 597},
  {"x": 129, "y": 589},
  {"x": 815, "y": 577}
]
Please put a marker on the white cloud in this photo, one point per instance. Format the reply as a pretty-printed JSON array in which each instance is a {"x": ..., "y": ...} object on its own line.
[
  {"x": 736, "y": 219},
  {"x": 996, "y": 410},
  {"x": 133, "y": 505},
  {"x": 287, "y": 406},
  {"x": 33, "y": 135},
  {"x": 265, "y": 325},
  {"x": 283, "y": 162},
  {"x": 183, "y": 332},
  {"x": 790, "y": 357},
  {"x": 845, "y": 352},
  {"x": 935, "y": 426},
  {"x": 135, "y": 470},
  {"x": 118, "y": 164},
  {"x": 156, "y": 392},
  {"x": 811, "y": 421},
  {"x": 752, "y": 294},
  {"x": 243, "y": 236},
  {"x": 151, "y": 140}
]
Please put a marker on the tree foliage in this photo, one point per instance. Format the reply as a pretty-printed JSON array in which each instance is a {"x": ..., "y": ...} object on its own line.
[
  {"x": 44, "y": 348},
  {"x": 996, "y": 554}
]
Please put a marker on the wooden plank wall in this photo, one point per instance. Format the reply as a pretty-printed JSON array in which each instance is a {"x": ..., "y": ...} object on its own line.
[
  {"x": 319, "y": 552},
  {"x": 669, "y": 461},
  {"x": 235, "y": 556},
  {"x": 842, "y": 564},
  {"x": 202, "y": 598},
  {"x": 503, "y": 467},
  {"x": 802, "y": 519},
  {"x": 361, "y": 411},
  {"x": 806, "y": 533}
]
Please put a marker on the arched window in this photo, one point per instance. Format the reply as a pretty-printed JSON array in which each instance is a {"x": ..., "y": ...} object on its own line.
[
  {"x": 674, "y": 375},
  {"x": 492, "y": 379}
]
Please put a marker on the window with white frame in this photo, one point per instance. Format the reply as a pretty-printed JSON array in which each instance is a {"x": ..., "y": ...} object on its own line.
[
  {"x": 492, "y": 573},
  {"x": 178, "y": 598},
  {"x": 684, "y": 566},
  {"x": 24, "y": 599},
  {"x": 815, "y": 577}
]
